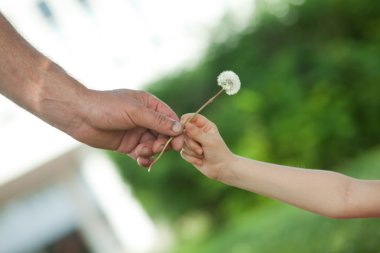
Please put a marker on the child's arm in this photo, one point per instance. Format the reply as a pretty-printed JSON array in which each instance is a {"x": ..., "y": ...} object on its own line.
[{"x": 324, "y": 192}]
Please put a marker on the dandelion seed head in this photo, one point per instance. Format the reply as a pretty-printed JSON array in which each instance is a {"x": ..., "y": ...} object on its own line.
[{"x": 229, "y": 81}]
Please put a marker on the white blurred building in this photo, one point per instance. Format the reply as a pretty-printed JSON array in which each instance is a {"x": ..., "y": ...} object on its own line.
[
  {"x": 63, "y": 206},
  {"x": 55, "y": 194}
]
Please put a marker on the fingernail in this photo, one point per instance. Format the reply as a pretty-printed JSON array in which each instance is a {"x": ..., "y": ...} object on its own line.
[
  {"x": 138, "y": 162},
  {"x": 177, "y": 127}
]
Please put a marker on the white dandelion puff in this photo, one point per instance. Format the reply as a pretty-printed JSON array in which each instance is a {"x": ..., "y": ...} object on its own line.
[{"x": 229, "y": 81}]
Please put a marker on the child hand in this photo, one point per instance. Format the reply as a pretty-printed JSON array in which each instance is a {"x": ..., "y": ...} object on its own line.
[{"x": 204, "y": 147}]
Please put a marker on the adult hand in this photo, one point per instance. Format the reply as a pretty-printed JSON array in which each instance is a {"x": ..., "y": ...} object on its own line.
[{"x": 127, "y": 121}]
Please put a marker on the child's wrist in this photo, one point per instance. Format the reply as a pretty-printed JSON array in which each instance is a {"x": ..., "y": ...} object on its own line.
[{"x": 227, "y": 169}]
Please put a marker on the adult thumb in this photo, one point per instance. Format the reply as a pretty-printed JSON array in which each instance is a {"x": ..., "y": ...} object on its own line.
[{"x": 158, "y": 122}]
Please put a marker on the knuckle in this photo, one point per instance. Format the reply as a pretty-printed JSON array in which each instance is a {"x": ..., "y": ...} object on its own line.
[
  {"x": 146, "y": 96},
  {"x": 143, "y": 93},
  {"x": 161, "y": 119}
]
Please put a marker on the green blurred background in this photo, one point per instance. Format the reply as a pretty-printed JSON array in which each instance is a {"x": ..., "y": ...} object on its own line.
[{"x": 310, "y": 75}]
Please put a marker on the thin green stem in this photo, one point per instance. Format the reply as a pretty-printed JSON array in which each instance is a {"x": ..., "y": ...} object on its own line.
[{"x": 188, "y": 120}]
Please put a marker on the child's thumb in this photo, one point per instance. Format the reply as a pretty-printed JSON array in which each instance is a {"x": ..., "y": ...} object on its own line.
[{"x": 197, "y": 134}]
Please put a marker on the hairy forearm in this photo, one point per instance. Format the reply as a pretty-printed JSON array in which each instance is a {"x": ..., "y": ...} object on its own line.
[
  {"x": 32, "y": 81},
  {"x": 21, "y": 67},
  {"x": 324, "y": 192}
]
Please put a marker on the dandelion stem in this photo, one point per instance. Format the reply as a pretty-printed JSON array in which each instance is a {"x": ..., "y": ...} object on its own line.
[{"x": 188, "y": 120}]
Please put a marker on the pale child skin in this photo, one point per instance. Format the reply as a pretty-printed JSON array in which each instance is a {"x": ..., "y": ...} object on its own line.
[{"x": 326, "y": 193}]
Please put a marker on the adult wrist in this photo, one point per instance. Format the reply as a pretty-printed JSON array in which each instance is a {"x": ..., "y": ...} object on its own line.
[{"x": 59, "y": 98}]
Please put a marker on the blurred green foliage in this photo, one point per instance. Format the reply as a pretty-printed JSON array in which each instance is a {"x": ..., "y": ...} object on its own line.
[{"x": 309, "y": 98}]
